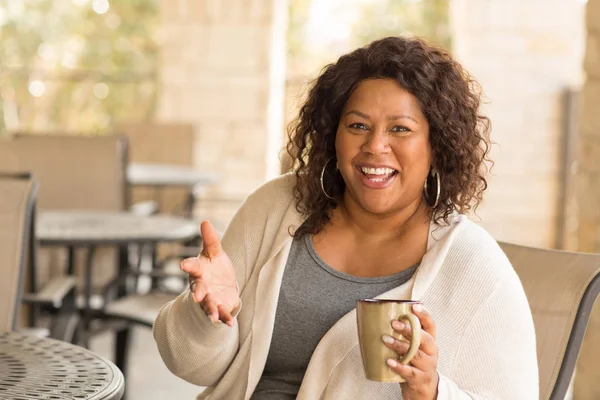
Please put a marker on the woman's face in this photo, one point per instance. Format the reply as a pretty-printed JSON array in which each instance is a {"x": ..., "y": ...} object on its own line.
[{"x": 382, "y": 147}]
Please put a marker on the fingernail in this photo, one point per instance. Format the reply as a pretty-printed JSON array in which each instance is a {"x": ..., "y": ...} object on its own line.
[
  {"x": 392, "y": 363},
  {"x": 388, "y": 339},
  {"x": 397, "y": 325},
  {"x": 417, "y": 307}
]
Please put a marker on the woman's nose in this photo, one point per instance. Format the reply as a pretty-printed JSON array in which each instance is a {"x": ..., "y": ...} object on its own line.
[{"x": 376, "y": 143}]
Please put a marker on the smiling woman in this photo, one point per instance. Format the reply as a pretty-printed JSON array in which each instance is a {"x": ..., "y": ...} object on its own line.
[{"x": 389, "y": 153}]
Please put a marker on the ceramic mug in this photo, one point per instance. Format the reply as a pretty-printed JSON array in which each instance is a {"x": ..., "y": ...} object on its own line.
[{"x": 374, "y": 318}]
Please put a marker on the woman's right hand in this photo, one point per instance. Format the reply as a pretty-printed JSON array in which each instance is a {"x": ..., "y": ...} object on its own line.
[{"x": 212, "y": 278}]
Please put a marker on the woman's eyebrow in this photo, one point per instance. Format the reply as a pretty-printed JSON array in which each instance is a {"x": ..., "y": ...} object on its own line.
[
  {"x": 363, "y": 115},
  {"x": 402, "y": 116},
  {"x": 390, "y": 118}
]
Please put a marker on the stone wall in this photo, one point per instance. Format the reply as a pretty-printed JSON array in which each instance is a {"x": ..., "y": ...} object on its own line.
[
  {"x": 524, "y": 53},
  {"x": 222, "y": 68}
]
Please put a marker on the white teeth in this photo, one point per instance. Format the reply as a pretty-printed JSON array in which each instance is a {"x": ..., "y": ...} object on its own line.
[{"x": 377, "y": 171}]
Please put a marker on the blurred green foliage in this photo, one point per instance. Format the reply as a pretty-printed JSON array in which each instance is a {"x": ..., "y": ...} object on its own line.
[
  {"x": 90, "y": 62},
  {"x": 428, "y": 19}
]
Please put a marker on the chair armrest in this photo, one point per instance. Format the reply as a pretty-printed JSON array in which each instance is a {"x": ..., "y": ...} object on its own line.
[
  {"x": 53, "y": 293},
  {"x": 144, "y": 208},
  {"x": 37, "y": 332}
]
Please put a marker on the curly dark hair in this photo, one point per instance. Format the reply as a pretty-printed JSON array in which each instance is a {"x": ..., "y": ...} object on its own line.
[{"x": 450, "y": 100}]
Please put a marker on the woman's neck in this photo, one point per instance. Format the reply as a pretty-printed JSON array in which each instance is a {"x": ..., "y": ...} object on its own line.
[{"x": 381, "y": 228}]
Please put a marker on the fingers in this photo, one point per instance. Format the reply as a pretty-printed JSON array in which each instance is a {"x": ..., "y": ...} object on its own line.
[
  {"x": 417, "y": 379},
  {"x": 408, "y": 372},
  {"x": 212, "y": 243},
  {"x": 216, "y": 311},
  {"x": 192, "y": 266},
  {"x": 199, "y": 290},
  {"x": 421, "y": 360},
  {"x": 428, "y": 344},
  {"x": 211, "y": 308},
  {"x": 426, "y": 319},
  {"x": 225, "y": 316}
]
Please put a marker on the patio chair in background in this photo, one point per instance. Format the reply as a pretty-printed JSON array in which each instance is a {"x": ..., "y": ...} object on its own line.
[
  {"x": 17, "y": 253},
  {"x": 561, "y": 288}
]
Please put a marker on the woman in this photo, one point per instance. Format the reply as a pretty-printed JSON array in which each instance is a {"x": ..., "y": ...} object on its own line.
[{"x": 389, "y": 153}]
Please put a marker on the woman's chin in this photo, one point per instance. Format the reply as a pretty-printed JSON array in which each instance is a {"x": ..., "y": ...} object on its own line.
[{"x": 375, "y": 207}]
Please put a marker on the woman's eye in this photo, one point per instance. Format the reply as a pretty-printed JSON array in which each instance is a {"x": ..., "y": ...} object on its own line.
[
  {"x": 400, "y": 129},
  {"x": 359, "y": 126}
]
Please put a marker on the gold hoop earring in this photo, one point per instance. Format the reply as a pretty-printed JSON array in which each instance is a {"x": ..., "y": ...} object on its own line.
[
  {"x": 433, "y": 172},
  {"x": 322, "y": 176}
]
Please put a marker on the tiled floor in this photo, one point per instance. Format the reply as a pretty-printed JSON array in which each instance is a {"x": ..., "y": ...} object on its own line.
[{"x": 148, "y": 378}]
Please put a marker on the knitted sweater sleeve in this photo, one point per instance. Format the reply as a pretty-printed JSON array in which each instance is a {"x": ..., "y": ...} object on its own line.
[
  {"x": 497, "y": 357},
  {"x": 191, "y": 346}
]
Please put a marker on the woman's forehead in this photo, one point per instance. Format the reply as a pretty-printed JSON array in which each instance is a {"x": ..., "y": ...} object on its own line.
[{"x": 383, "y": 97}]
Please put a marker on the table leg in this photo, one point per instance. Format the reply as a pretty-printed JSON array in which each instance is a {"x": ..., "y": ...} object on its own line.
[
  {"x": 190, "y": 204},
  {"x": 70, "y": 260},
  {"x": 153, "y": 251},
  {"x": 123, "y": 270},
  {"x": 88, "y": 295}
]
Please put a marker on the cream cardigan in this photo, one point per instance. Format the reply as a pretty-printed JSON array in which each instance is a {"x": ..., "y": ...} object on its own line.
[{"x": 485, "y": 332}]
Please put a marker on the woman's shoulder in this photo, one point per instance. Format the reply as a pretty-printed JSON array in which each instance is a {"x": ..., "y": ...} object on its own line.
[{"x": 480, "y": 251}]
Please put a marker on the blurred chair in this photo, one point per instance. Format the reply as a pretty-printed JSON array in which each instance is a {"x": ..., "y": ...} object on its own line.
[
  {"x": 160, "y": 143},
  {"x": 75, "y": 172},
  {"x": 561, "y": 288},
  {"x": 17, "y": 252}
]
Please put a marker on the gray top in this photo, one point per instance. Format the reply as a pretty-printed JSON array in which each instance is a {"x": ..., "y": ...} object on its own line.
[
  {"x": 106, "y": 227},
  {"x": 312, "y": 299},
  {"x": 41, "y": 368}
]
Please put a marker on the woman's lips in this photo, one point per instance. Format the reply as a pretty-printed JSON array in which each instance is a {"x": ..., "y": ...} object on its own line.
[{"x": 377, "y": 180}]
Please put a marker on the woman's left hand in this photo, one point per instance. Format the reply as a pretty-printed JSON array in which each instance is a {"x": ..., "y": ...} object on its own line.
[{"x": 421, "y": 373}]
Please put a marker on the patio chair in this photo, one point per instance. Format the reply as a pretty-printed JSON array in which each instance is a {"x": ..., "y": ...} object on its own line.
[
  {"x": 561, "y": 288},
  {"x": 17, "y": 252}
]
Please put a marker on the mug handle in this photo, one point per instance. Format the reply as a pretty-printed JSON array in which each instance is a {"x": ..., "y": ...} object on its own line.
[{"x": 415, "y": 341}]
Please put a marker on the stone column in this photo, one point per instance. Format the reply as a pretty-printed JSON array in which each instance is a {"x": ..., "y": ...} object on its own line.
[
  {"x": 524, "y": 53},
  {"x": 587, "y": 378},
  {"x": 222, "y": 68}
]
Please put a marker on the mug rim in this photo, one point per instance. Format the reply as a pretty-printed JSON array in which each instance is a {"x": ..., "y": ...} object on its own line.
[{"x": 379, "y": 301}]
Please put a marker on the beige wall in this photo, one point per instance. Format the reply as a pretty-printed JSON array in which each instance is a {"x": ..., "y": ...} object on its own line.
[
  {"x": 222, "y": 68},
  {"x": 589, "y": 155},
  {"x": 587, "y": 380},
  {"x": 524, "y": 53}
]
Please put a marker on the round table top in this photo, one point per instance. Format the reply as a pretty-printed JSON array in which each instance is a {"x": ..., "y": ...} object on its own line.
[
  {"x": 41, "y": 368},
  {"x": 167, "y": 175},
  {"x": 74, "y": 227}
]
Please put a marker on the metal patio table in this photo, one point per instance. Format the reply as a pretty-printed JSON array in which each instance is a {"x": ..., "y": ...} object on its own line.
[{"x": 40, "y": 368}]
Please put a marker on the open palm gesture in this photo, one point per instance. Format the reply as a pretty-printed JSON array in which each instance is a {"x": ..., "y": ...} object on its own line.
[{"x": 212, "y": 278}]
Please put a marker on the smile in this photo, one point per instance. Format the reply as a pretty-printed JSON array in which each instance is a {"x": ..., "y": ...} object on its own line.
[{"x": 377, "y": 177}]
